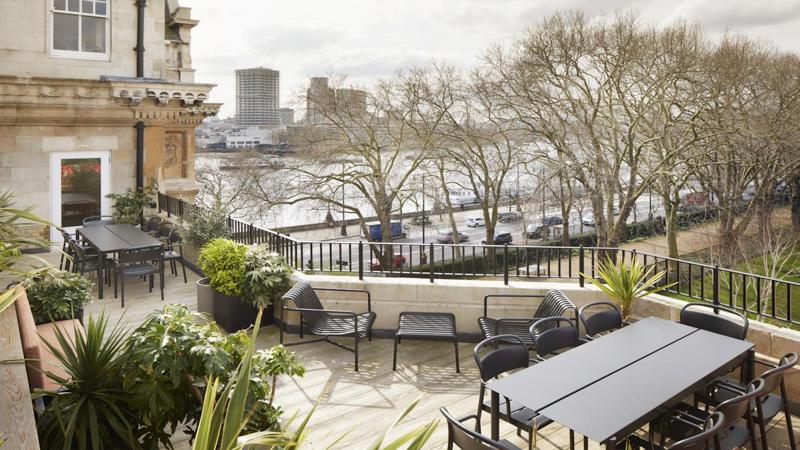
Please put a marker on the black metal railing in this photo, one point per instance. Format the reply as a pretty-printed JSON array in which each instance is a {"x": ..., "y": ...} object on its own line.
[{"x": 758, "y": 295}]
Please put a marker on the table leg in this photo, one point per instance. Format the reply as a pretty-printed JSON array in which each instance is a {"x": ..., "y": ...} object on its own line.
[
  {"x": 101, "y": 258},
  {"x": 749, "y": 368},
  {"x": 495, "y": 416}
]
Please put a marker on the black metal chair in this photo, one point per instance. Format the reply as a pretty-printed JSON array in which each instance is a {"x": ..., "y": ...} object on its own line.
[
  {"x": 716, "y": 319},
  {"x": 685, "y": 420},
  {"x": 151, "y": 225},
  {"x": 163, "y": 231},
  {"x": 173, "y": 253},
  {"x": 139, "y": 263},
  {"x": 554, "y": 335},
  {"x": 462, "y": 437},
  {"x": 599, "y": 318},
  {"x": 67, "y": 255},
  {"x": 98, "y": 221},
  {"x": 318, "y": 321},
  {"x": 495, "y": 362},
  {"x": 705, "y": 439},
  {"x": 553, "y": 304},
  {"x": 767, "y": 405},
  {"x": 83, "y": 261}
]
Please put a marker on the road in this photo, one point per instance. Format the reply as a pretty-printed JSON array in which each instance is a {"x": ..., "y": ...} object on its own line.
[{"x": 345, "y": 248}]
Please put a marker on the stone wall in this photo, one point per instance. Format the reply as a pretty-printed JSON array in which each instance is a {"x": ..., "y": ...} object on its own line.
[{"x": 464, "y": 298}]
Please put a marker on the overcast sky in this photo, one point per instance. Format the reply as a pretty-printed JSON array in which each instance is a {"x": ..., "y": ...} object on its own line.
[{"x": 370, "y": 39}]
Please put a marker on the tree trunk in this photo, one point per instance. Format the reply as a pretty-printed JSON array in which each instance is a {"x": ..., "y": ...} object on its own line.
[
  {"x": 671, "y": 226},
  {"x": 795, "y": 203}
]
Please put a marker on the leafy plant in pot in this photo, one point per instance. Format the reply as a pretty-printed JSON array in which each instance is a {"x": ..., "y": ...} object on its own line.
[
  {"x": 204, "y": 225},
  {"x": 57, "y": 295},
  {"x": 129, "y": 206}
]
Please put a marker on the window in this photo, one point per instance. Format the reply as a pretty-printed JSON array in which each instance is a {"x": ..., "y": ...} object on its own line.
[{"x": 80, "y": 29}]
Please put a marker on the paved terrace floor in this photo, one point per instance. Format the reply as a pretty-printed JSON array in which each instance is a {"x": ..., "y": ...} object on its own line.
[{"x": 363, "y": 403}]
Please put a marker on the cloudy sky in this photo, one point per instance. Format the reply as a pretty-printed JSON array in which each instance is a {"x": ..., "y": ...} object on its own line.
[{"x": 370, "y": 39}]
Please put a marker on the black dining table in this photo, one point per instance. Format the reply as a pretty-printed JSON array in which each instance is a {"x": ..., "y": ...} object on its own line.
[
  {"x": 113, "y": 238},
  {"x": 611, "y": 386}
]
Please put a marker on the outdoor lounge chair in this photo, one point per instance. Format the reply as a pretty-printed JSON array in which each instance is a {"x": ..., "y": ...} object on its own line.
[
  {"x": 318, "y": 321},
  {"x": 708, "y": 438},
  {"x": 554, "y": 304}
]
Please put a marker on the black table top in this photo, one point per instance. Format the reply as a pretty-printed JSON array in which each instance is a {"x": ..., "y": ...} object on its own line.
[
  {"x": 547, "y": 382},
  {"x": 613, "y": 407},
  {"x": 117, "y": 237}
]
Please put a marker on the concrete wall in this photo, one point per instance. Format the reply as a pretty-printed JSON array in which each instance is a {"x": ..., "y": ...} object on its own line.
[
  {"x": 464, "y": 298},
  {"x": 25, "y": 42}
]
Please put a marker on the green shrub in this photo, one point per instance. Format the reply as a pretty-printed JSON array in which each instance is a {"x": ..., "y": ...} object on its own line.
[
  {"x": 172, "y": 354},
  {"x": 266, "y": 276},
  {"x": 205, "y": 225},
  {"x": 57, "y": 295},
  {"x": 223, "y": 262}
]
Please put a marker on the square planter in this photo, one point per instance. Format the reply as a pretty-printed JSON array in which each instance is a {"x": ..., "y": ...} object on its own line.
[{"x": 232, "y": 314}]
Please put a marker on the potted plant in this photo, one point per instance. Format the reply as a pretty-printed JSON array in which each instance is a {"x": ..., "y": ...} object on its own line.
[
  {"x": 223, "y": 262},
  {"x": 57, "y": 295},
  {"x": 266, "y": 279},
  {"x": 129, "y": 206},
  {"x": 626, "y": 281},
  {"x": 203, "y": 226}
]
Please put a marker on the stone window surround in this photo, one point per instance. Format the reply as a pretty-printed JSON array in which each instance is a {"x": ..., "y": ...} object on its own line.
[{"x": 69, "y": 54}]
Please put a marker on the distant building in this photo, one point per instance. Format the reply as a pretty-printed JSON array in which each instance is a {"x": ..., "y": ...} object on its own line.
[
  {"x": 287, "y": 116},
  {"x": 258, "y": 97},
  {"x": 319, "y": 97},
  {"x": 242, "y": 141},
  {"x": 354, "y": 101}
]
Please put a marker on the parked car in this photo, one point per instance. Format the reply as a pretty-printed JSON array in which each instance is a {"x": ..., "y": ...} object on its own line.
[
  {"x": 474, "y": 222},
  {"x": 447, "y": 237},
  {"x": 588, "y": 218},
  {"x": 399, "y": 261},
  {"x": 552, "y": 220},
  {"x": 507, "y": 217},
  {"x": 501, "y": 239},
  {"x": 538, "y": 231},
  {"x": 422, "y": 220}
]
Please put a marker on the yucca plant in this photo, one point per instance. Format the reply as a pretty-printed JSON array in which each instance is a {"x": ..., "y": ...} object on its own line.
[
  {"x": 626, "y": 281},
  {"x": 224, "y": 417},
  {"x": 91, "y": 408}
]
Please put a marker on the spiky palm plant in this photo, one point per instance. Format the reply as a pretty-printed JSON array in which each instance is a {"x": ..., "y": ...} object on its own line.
[{"x": 626, "y": 281}]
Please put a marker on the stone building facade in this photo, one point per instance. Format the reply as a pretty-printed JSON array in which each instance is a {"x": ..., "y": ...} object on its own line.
[{"x": 77, "y": 102}]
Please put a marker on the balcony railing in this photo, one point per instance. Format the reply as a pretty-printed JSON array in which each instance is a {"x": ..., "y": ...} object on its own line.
[{"x": 760, "y": 296}]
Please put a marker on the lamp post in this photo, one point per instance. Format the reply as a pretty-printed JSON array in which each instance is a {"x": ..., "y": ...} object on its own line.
[
  {"x": 344, "y": 224},
  {"x": 424, "y": 216}
]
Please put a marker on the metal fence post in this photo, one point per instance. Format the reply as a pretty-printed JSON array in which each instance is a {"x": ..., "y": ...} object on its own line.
[
  {"x": 505, "y": 264},
  {"x": 250, "y": 232},
  {"x": 715, "y": 284},
  {"x": 430, "y": 262},
  {"x": 360, "y": 260},
  {"x": 580, "y": 266}
]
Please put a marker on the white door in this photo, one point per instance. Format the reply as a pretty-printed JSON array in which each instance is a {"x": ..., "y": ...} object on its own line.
[{"x": 78, "y": 187}]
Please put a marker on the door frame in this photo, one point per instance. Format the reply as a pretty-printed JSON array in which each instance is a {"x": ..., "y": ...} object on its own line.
[{"x": 55, "y": 185}]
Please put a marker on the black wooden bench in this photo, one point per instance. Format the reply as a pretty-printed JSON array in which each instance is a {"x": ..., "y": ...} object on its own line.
[{"x": 433, "y": 326}]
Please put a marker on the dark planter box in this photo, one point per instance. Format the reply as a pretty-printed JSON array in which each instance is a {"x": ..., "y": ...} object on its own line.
[{"x": 232, "y": 314}]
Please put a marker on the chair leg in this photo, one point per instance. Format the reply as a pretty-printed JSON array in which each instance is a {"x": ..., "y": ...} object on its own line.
[
  {"x": 761, "y": 426},
  {"x": 122, "y": 289},
  {"x": 480, "y": 409},
  {"x": 751, "y": 427},
  {"x": 455, "y": 345},
  {"x": 161, "y": 281},
  {"x": 356, "y": 348},
  {"x": 183, "y": 267},
  {"x": 792, "y": 443},
  {"x": 394, "y": 355}
]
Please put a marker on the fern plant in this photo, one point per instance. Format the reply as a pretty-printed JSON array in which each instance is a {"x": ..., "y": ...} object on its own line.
[{"x": 624, "y": 282}]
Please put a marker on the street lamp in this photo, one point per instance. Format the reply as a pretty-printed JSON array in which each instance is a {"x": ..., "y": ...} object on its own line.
[{"x": 424, "y": 216}]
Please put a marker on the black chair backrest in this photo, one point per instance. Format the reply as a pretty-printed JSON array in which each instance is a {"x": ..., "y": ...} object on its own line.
[
  {"x": 303, "y": 296},
  {"x": 600, "y": 317},
  {"x": 501, "y": 359},
  {"x": 773, "y": 377},
  {"x": 707, "y": 317},
  {"x": 164, "y": 229},
  {"x": 466, "y": 439},
  {"x": 141, "y": 256},
  {"x": 175, "y": 236},
  {"x": 555, "y": 303},
  {"x": 553, "y": 334},
  {"x": 737, "y": 407},
  {"x": 74, "y": 248},
  {"x": 705, "y": 438},
  {"x": 152, "y": 223},
  {"x": 98, "y": 220}
]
